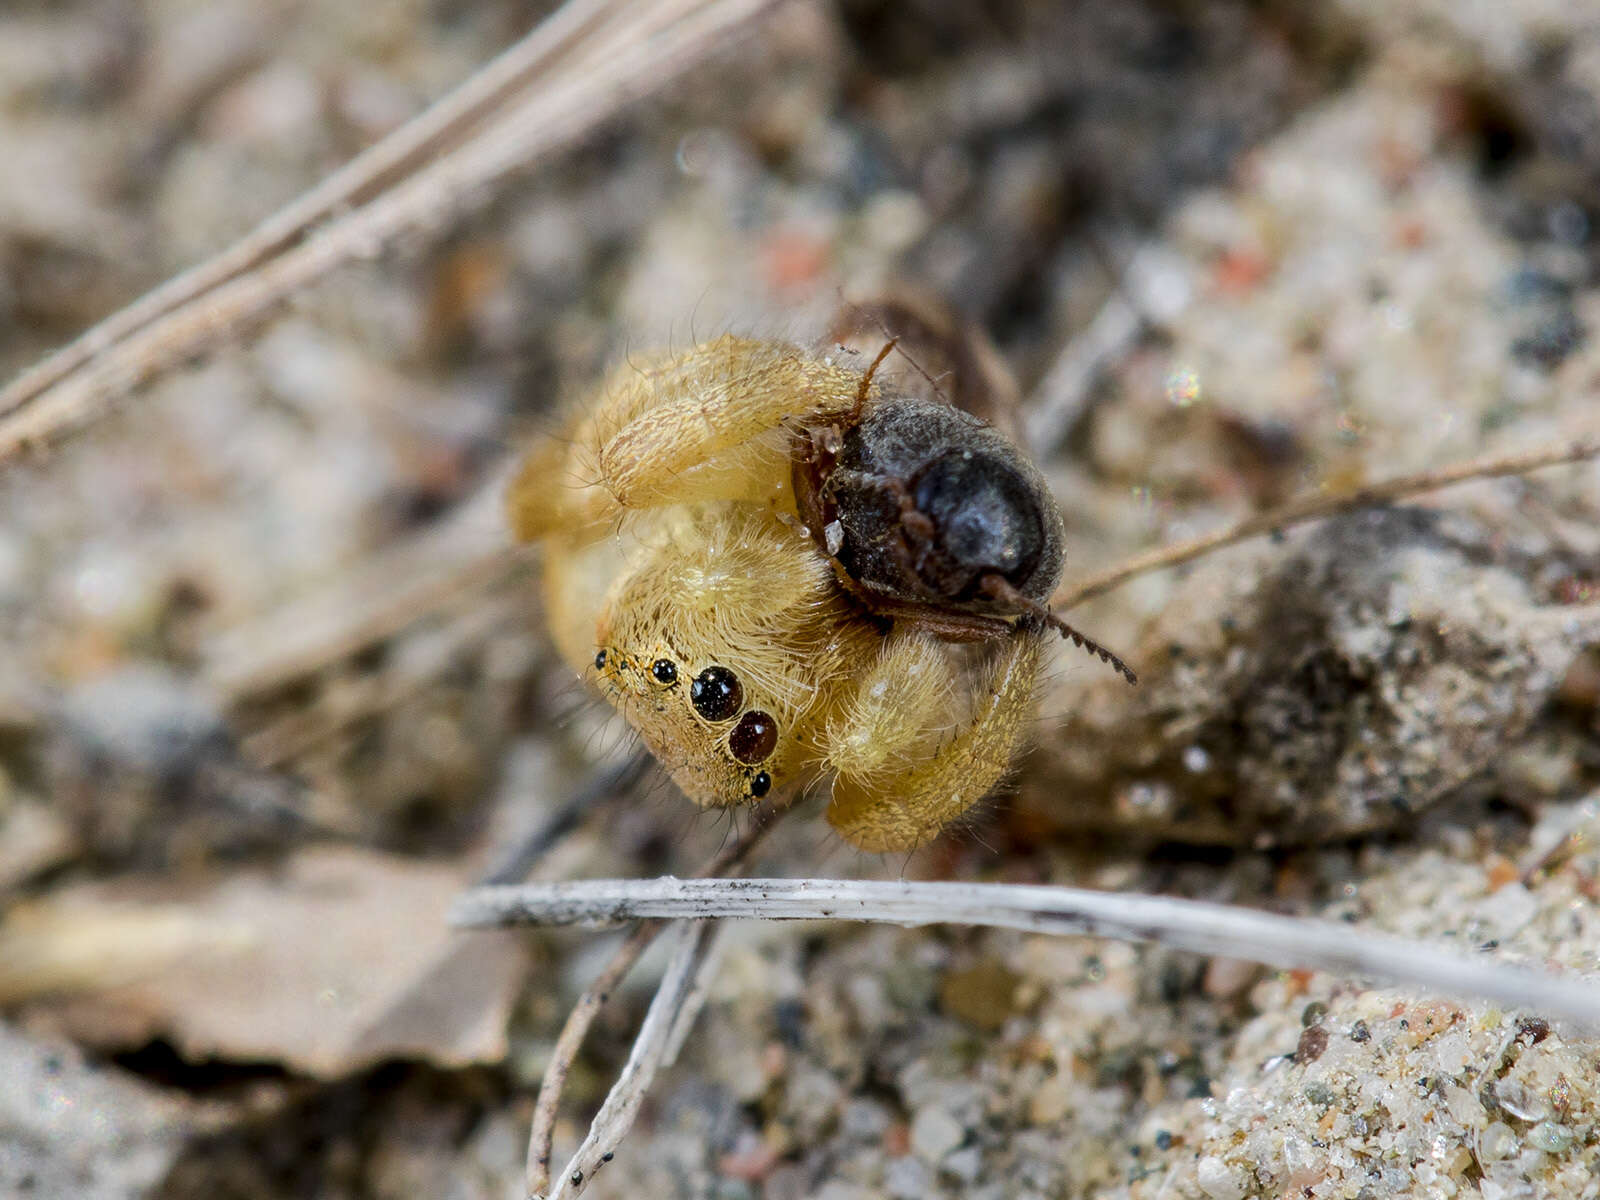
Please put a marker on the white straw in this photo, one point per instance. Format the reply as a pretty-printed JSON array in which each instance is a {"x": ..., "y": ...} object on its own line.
[
  {"x": 676, "y": 1002},
  {"x": 1203, "y": 928}
]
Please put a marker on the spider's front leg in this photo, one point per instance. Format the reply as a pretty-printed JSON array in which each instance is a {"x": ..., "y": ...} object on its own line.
[
  {"x": 902, "y": 775},
  {"x": 704, "y": 425},
  {"x": 715, "y": 428}
]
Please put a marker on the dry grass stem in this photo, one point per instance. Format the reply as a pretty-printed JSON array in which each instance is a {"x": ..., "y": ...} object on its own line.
[
  {"x": 363, "y": 177},
  {"x": 541, "y": 1134},
  {"x": 451, "y": 562},
  {"x": 583, "y": 1013},
  {"x": 571, "y": 79},
  {"x": 1315, "y": 507},
  {"x": 677, "y": 1000},
  {"x": 1202, "y": 928},
  {"x": 1153, "y": 290}
]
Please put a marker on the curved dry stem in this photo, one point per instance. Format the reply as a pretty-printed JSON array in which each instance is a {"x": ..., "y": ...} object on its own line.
[
  {"x": 678, "y": 998},
  {"x": 592, "y": 63},
  {"x": 576, "y": 1028},
  {"x": 1197, "y": 926},
  {"x": 1315, "y": 507},
  {"x": 541, "y": 1134}
]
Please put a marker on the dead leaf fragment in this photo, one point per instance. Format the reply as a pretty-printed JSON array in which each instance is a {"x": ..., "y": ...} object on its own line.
[{"x": 337, "y": 960}]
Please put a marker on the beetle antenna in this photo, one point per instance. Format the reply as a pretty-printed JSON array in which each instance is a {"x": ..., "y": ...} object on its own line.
[
  {"x": 1093, "y": 647},
  {"x": 866, "y": 379},
  {"x": 1003, "y": 590},
  {"x": 884, "y": 329}
]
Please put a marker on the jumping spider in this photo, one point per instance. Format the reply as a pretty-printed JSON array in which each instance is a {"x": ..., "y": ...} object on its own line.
[{"x": 782, "y": 567}]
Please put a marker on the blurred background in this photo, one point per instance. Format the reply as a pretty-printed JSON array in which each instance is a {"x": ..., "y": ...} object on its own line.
[{"x": 273, "y": 687}]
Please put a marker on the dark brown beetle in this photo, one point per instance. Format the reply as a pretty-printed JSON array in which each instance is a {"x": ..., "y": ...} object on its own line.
[{"x": 928, "y": 514}]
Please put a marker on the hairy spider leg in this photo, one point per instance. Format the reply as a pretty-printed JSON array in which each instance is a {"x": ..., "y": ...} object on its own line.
[
  {"x": 704, "y": 425},
  {"x": 901, "y": 776}
]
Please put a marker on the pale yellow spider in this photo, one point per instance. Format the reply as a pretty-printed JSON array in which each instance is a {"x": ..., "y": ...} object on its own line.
[{"x": 783, "y": 571}]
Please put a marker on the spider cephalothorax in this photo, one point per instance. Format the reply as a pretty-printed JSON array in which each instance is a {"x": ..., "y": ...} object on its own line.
[{"x": 767, "y": 564}]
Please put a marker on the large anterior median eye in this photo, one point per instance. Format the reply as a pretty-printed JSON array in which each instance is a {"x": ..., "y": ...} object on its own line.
[{"x": 716, "y": 694}]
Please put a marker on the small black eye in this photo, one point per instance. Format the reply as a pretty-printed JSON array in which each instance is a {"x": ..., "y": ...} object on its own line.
[
  {"x": 716, "y": 694},
  {"x": 664, "y": 671},
  {"x": 600, "y": 661},
  {"x": 761, "y": 784}
]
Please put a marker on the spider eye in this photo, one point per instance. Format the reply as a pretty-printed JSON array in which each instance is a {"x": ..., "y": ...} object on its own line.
[
  {"x": 716, "y": 693},
  {"x": 754, "y": 738},
  {"x": 600, "y": 661},
  {"x": 761, "y": 784},
  {"x": 664, "y": 671}
]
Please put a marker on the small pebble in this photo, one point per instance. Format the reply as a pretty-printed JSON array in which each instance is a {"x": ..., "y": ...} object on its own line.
[
  {"x": 982, "y": 996},
  {"x": 865, "y": 1120},
  {"x": 1550, "y": 1137},
  {"x": 907, "y": 1179},
  {"x": 1497, "y": 1141},
  {"x": 1050, "y": 1101},
  {"x": 934, "y": 1133},
  {"x": 1226, "y": 978},
  {"x": 964, "y": 1164},
  {"x": 1217, "y": 1180}
]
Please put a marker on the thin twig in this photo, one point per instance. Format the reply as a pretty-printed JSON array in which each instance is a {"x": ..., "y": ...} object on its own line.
[
  {"x": 541, "y": 1133},
  {"x": 363, "y": 177},
  {"x": 1314, "y": 507},
  {"x": 516, "y": 861},
  {"x": 677, "y": 1000},
  {"x": 1153, "y": 290},
  {"x": 619, "y": 62},
  {"x": 1203, "y": 928},
  {"x": 453, "y": 560},
  {"x": 583, "y": 1013}
]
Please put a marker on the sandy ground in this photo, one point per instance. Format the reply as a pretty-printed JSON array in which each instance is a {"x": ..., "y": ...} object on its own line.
[{"x": 271, "y": 691}]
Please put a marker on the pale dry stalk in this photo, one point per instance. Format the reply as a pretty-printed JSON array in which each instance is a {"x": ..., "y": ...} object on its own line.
[
  {"x": 1196, "y": 926},
  {"x": 542, "y": 1132},
  {"x": 594, "y": 62},
  {"x": 1318, "y": 505}
]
